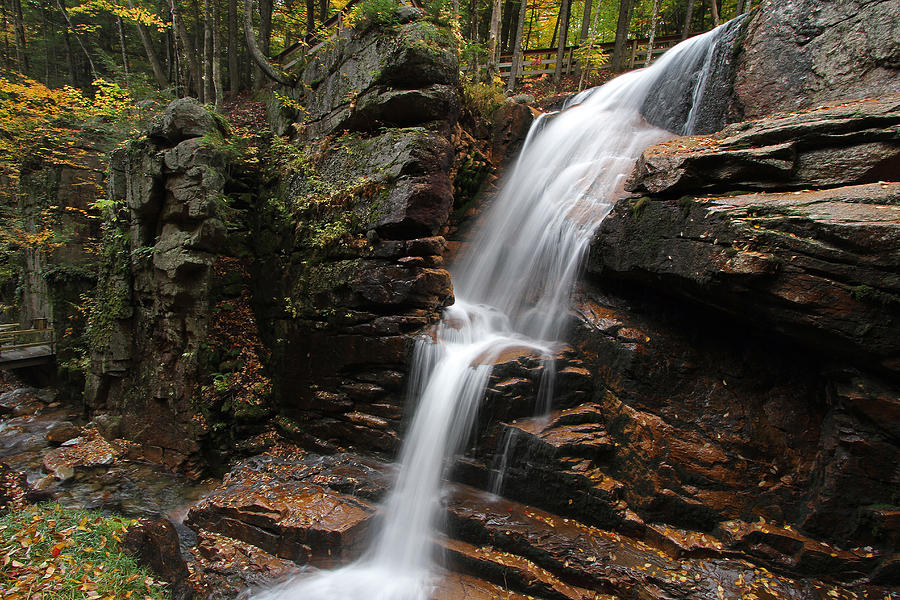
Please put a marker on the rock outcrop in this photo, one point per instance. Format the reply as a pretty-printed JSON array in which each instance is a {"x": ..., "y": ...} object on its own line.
[
  {"x": 165, "y": 232},
  {"x": 761, "y": 274},
  {"x": 367, "y": 189},
  {"x": 803, "y": 53}
]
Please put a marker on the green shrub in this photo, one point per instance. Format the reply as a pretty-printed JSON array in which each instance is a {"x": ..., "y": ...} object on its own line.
[
  {"x": 483, "y": 98},
  {"x": 372, "y": 13}
]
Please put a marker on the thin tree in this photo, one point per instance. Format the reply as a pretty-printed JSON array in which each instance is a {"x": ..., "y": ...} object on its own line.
[
  {"x": 590, "y": 48},
  {"x": 493, "y": 34},
  {"x": 622, "y": 26},
  {"x": 234, "y": 69},
  {"x": 190, "y": 54},
  {"x": 255, "y": 53},
  {"x": 714, "y": 8},
  {"x": 158, "y": 72},
  {"x": 563, "y": 36},
  {"x": 265, "y": 38},
  {"x": 19, "y": 25},
  {"x": 65, "y": 14},
  {"x": 517, "y": 47},
  {"x": 585, "y": 21},
  {"x": 689, "y": 13},
  {"x": 122, "y": 45},
  {"x": 216, "y": 57},
  {"x": 207, "y": 53},
  {"x": 653, "y": 21}
]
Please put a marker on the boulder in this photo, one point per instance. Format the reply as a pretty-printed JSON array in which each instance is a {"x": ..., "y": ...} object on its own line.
[
  {"x": 804, "y": 53},
  {"x": 183, "y": 119},
  {"x": 154, "y": 543}
]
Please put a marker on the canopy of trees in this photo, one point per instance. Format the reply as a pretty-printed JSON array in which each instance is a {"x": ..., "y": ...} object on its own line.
[{"x": 212, "y": 48}]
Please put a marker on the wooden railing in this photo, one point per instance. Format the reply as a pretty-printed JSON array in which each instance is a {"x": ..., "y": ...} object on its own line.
[
  {"x": 539, "y": 61},
  {"x": 14, "y": 337}
]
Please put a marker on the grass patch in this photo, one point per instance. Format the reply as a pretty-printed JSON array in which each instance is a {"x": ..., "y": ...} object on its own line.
[{"x": 54, "y": 553}]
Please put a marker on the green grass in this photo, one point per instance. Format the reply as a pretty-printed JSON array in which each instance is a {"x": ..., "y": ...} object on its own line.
[{"x": 53, "y": 553}]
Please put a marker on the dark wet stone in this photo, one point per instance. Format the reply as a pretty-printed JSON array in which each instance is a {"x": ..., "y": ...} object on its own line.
[{"x": 154, "y": 543}]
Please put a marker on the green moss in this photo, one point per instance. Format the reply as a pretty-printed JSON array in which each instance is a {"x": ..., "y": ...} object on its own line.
[{"x": 639, "y": 206}]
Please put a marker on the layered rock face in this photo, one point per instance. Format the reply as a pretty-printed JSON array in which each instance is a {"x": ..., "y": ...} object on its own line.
[
  {"x": 164, "y": 236},
  {"x": 360, "y": 265},
  {"x": 764, "y": 380}
]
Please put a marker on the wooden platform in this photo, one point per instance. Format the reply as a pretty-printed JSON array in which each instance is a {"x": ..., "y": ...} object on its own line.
[{"x": 26, "y": 357}]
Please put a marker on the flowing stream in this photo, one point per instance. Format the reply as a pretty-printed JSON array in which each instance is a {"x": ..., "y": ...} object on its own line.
[{"x": 512, "y": 291}]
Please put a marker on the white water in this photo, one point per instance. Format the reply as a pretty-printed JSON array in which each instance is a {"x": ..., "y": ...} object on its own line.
[{"x": 512, "y": 291}]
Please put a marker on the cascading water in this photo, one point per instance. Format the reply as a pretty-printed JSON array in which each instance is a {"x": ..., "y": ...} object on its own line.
[{"x": 512, "y": 289}]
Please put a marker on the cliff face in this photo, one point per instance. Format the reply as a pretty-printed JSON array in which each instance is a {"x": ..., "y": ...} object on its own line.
[{"x": 726, "y": 416}]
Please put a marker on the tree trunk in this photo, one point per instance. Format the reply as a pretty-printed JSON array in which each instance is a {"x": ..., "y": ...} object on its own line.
[
  {"x": 207, "y": 53},
  {"x": 190, "y": 54},
  {"x": 255, "y": 53},
  {"x": 653, "y": 21},
  {"x": 517, "y": 47},
  {"x": 714, "y": 8},
  {"x": 494, "y": 33},
  {"x": 689, "y": 13},
  {"x": 622, "y": 26},
  {"x": 6, "y": 58},
  {"x": 310, "y": 16},
  {"x": 323, "y": 10},
  {"x": 65, "y": 14},
  {"x": 216, "y": 57},
  {"x": 234, "y": 69},
  {"x": 19, "y": 24},
  {"x": 563, "y": 36},
  {"x": 265, "y": 37},
  {"x": 158, "y": 73},
  {"x": 590, "y": 48},
  {"x": 122, "y": 44},
  {"x": 585, "y": 21},
  {"x": 505, "y": 26}
]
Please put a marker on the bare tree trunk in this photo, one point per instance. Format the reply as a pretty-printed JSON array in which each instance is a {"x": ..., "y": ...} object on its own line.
[
  {"x": 234, "y": 69},
  {"x": 622, "y": 26},
  {"x": 310, "y": 16},
  {"x": 323, "y": 10},
  {"x": 216, "y": 57},
  {"x": 207, "y": 53},
  {"x": 157, "y": 67},
  {"x": 653, "y": 21},
  {"x": 563, "y": 36},
  {"x": 585, "y": 21},
  {"x": 714, "y": 8},
  {"x": 255, "y": 53},
  {"x": 265, "y": 35},
  {"x": 517, "y": 47},
  {"x": 505, "y": 26},
  {"x": 689, "y": 13},
  {"x": 7, "y": 60},
  {"x": 65, "y": 15},
  {"x": 190, "y": 54},
  {"x": 590, "y": 48},
  {"x": 493, "y": 34},
  {"x": 19, "y": 24},
  {"x": 122, "y": 44}
]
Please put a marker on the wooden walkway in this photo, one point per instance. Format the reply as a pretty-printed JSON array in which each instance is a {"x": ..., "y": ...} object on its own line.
[{"x": 21, "y": 348}]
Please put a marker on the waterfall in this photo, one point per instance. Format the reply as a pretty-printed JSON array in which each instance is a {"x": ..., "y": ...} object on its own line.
[{"x": 512, "y": 291}]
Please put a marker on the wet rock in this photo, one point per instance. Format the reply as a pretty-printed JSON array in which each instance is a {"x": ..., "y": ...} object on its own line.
[
  {"x": 293, "y": 507},
  {"x": 815, "y": 265},
  {"x": 224, "y": 567},
  {"x": 154, "y": 543},
  {"x": 848, "y": 143},
  {"x": 62, "y": 432},
  {"x": 803, "y": 53},
  {"x": 511, "y": 124}
]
